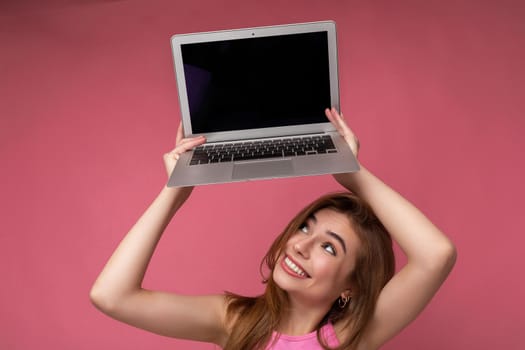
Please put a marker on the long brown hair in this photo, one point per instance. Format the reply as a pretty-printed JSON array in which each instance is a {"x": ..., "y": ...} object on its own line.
[{"x": 255, "y": 318}]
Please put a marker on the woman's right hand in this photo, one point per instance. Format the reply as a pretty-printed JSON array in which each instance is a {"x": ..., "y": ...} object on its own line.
[{"x": 181, "y": 145}]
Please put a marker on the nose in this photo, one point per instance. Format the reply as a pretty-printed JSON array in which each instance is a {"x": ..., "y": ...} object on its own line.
[{"x": 303, "y": 246}]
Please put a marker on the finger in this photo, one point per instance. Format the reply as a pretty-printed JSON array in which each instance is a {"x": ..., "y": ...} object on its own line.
[
  {"x": 192, "y": 140},
  {"x": 334, "y": 116},
  {"x": 337, "y": 120},
  {"x": 343, "y": 127},
  {"x": 186, "y": 139},
  {"x": 331, "y": 118},
  {"x": 187, "y": 144},
  {"x": 180, "y": 134},
  {"x": 338, "y": 116}
]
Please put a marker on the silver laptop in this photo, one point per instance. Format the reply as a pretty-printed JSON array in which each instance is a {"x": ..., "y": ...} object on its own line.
[{"x": 259, "y": 96}]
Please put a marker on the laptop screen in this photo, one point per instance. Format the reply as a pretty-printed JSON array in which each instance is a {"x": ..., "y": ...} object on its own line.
[{"x": 257, "y": 82}]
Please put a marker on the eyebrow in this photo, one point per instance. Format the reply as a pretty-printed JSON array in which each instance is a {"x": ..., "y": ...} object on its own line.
[{"x": 332, "y": 234}]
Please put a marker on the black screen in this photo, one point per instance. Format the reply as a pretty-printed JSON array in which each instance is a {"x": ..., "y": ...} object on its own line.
[{"x": 257, "y": 82}]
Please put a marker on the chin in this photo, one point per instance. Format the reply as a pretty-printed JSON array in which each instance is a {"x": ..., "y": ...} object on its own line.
[{"x": 284, "y": 281}]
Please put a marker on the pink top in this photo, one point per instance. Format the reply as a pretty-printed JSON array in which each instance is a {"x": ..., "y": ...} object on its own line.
[{"x": 304, "y": 342}]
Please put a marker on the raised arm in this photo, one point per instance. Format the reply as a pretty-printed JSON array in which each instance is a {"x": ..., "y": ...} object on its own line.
[
  {"x": 430, "y": 254},
  {"x": 118, "y": 289}
]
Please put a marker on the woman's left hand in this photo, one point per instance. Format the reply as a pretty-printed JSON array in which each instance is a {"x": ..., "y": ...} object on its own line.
[
  {"x": 182, "y": 145},
  {"x": 339, "y": 123}
]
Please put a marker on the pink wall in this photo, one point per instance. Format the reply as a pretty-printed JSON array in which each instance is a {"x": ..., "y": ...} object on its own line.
[{"x": 88, "y": 104}]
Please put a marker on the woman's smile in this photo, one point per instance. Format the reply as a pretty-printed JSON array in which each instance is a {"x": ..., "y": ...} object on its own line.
[{"x": 293, "y": 268}]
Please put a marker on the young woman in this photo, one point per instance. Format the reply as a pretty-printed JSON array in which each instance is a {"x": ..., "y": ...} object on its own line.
[{"x": 331, "y": 283}]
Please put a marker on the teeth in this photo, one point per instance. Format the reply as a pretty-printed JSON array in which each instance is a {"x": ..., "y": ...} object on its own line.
[{"x": 294, "y": 267}]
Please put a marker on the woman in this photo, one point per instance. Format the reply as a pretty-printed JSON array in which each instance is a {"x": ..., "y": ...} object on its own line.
[{"x": 331, "y": 282}]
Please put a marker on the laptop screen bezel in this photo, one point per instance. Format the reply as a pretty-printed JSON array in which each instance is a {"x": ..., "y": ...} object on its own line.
[{"x": 177, "y": 41}]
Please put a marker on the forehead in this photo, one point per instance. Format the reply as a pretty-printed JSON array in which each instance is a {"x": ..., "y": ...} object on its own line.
[{"x": 333, "y": 217}]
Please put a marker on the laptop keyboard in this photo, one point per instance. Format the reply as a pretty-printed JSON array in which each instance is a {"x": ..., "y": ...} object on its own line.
[{"x": 271, "y": 148}]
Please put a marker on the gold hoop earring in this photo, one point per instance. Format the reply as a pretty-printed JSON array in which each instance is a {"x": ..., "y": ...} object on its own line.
[{"x": 343, "y": 301}]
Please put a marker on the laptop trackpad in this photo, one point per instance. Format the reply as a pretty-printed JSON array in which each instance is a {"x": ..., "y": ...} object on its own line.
[{"x": 265, "y": 169}]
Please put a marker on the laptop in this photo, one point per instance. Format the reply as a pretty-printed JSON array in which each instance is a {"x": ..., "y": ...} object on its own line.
[{"x": 259, "y": 96}]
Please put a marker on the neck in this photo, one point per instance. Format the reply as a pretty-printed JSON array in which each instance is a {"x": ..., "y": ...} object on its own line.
[{"x": 301, "y": 319}]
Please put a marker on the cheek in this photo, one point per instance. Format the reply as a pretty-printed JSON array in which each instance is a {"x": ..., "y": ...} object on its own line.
[
  {"x": 335, "y": 272},
  {"x": 325, "y": 265},
  {"x": 292, "y": 239}
]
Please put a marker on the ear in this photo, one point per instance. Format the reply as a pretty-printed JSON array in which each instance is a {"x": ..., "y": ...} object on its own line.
[{"x": 346, "y": 294}]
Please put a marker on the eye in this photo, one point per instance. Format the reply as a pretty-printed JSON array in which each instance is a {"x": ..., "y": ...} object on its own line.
[
  {"x": 329, "y": 248},
  {"x": 304, "y": 228}
]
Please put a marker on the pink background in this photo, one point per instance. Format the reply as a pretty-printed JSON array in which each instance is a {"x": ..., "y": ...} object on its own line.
[{"x": 88, "y": 104}]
